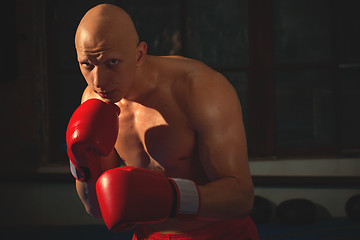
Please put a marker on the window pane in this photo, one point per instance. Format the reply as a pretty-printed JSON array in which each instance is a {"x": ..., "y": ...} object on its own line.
[
  {"x": 239, "y": 82},
  {"x": 350, "y": 101},
  {"x": 304, "y": 108},
  {"x": 303, "y": 31},
  {"x": 349, "y": 31},
  {"x": 218, "y": 32}
]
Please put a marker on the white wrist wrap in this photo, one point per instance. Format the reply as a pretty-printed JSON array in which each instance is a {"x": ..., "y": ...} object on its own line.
[{"x": 188, "y": 196}]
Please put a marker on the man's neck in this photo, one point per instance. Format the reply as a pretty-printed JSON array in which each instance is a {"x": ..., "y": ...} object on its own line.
[{"x": 146, "y": 81}]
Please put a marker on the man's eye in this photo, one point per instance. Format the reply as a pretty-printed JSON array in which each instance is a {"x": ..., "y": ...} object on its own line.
[
  {"x": 113, "y": 61},
  {"x": 86, "y": 64}
]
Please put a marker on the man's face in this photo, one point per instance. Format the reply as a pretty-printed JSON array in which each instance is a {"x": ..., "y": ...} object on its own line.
[{"x": 109, "y": 69}]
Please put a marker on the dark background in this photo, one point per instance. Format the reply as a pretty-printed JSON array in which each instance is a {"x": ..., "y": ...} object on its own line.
[{"x": 295, "y": 65}]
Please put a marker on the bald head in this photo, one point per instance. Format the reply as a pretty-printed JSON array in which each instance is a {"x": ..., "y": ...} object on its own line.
[
  {"x": 105, "y": 25},
  {"x": 109, "y": 52}
]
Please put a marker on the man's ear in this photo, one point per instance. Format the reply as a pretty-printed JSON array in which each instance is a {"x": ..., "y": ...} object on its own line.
[{"x": 141, "y": 52}]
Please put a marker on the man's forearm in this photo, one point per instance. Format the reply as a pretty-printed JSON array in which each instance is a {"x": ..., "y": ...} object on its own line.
[
  {"x": 86, "y": 190},
  {"x": 221, "y": 199},
  {"x": 225, "y": 198},
  {"x": 87, "y": 194}
]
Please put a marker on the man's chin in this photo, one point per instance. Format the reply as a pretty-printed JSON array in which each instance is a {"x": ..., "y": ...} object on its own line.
[{"x": 112, "y": 99}]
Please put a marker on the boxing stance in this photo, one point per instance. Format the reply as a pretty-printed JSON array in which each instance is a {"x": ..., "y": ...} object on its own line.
[
  {"x": 92, "y": 133},
  {"x": 174, "y": 122}
]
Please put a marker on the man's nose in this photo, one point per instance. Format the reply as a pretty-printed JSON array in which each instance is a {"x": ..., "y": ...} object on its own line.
[{"x": 100, "y": 78}]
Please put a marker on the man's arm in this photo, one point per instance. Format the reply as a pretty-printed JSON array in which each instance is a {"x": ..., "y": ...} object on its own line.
[
  {"x": 215, "y": 114},
  {"x": 86, "y": 190}
]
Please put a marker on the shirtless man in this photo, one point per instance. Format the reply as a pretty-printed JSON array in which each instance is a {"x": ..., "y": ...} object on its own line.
[{"x": 177, "y": 117}]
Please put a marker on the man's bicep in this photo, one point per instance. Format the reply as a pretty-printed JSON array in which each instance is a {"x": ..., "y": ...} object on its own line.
[
  {"x": 223, "y": 152},
  {"x": 221, "y": 135}
]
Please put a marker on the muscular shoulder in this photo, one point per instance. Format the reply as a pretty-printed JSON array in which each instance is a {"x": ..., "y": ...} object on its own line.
[
  {"x": 205, "y": 93},
  {"x": 194, "y": 76}
]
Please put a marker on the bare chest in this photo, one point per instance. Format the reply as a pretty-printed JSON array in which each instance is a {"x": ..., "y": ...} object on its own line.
[{"x": 156, "y": 138}]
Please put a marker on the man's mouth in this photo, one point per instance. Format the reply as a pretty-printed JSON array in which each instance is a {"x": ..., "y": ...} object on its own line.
[{"x": 104, "y": 94}]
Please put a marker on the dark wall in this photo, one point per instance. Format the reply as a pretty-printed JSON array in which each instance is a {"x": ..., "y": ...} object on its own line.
[{"x": 312, "y": 68}]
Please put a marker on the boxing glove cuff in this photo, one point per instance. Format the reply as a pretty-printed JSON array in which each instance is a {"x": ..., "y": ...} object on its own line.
[
  {"x": 188, "y": 198},
  {"x": 82, "y": 174}
]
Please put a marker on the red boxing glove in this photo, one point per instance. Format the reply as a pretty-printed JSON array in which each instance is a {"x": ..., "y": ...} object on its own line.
[
  {"x": 130, "y": 195},
  {"x": 92, "y": 132}
]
